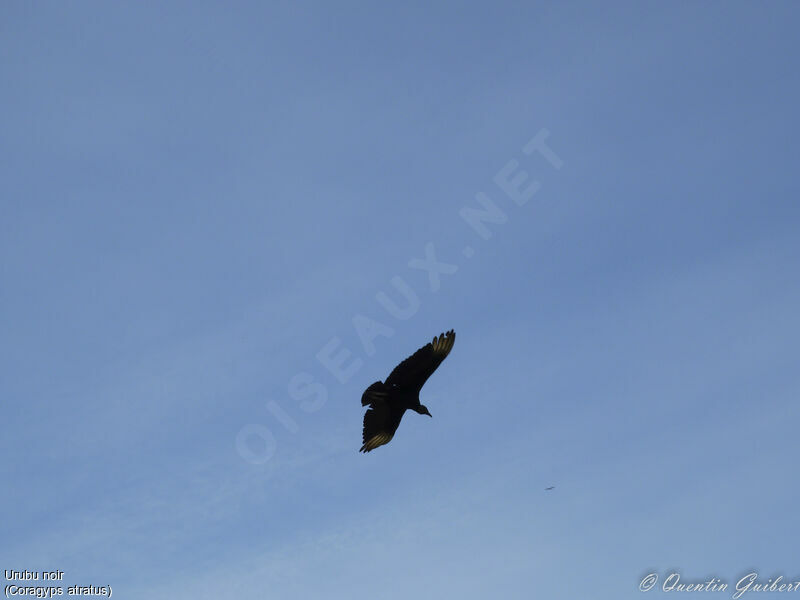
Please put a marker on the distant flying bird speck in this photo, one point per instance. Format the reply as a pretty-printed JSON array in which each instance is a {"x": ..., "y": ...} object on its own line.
[
  {"x": 547, "y": 489},
  {"x": 388, "y": 401}
]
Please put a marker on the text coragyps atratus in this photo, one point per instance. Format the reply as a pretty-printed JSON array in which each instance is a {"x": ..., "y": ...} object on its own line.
[{"x": 389, "y": 400}]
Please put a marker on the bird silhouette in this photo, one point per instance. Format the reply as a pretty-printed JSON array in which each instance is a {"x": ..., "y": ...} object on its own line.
[
  {"x": 389, "y": 400},
  {"x": 547, "y": 489}
]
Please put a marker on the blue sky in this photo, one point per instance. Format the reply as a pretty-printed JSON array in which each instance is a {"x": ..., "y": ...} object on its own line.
[{"x": 197, "y": 198}]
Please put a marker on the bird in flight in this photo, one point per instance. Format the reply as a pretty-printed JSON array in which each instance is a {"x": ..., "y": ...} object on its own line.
[
  {"x": 547, "y": 489},
  {"x": 389, "y": 400}
]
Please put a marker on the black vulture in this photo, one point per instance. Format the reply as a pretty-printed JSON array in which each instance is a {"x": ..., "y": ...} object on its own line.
[{"x": 388, "y": 400}]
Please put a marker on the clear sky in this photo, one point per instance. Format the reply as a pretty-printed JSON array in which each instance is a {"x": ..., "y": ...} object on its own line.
[{"x": 214, "y": 220}]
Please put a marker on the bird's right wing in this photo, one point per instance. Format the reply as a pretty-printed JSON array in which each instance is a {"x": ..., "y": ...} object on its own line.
[
  {"x": 377, "y": 426},
  {"x": 414, "y": 371}
]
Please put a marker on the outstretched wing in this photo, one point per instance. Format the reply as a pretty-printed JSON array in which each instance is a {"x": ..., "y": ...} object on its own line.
[
  {"x": 378, "y": 428},
  {"x": 414, "y": 371}
]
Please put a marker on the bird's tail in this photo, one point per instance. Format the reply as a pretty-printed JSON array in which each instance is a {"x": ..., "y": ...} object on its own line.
[{"x": 376, "y": 392}]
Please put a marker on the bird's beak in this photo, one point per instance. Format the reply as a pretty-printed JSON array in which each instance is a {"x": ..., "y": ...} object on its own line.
[{"x": 430, "y": 415}]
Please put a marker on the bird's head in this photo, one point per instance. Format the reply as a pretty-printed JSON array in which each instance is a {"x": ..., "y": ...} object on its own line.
[{"x": 423, "y": 410}]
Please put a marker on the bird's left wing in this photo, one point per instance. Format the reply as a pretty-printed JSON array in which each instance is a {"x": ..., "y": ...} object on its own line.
[{"x": 377, "y": 426}]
